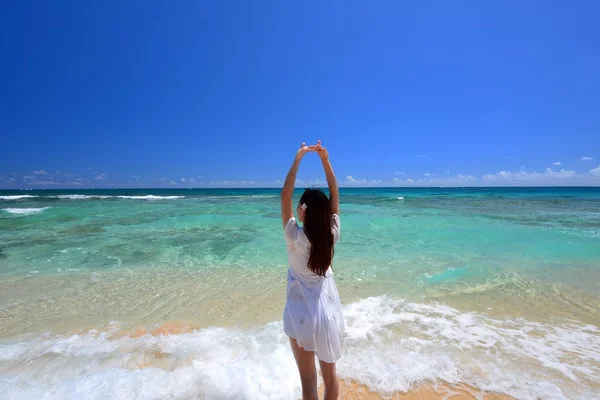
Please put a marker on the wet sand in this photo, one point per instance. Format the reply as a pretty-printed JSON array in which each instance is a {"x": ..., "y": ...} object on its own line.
[{"x": 438, "y": 391}]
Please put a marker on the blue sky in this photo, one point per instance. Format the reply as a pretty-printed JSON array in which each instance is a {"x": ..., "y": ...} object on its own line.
[{"x": 193, "y": 94}]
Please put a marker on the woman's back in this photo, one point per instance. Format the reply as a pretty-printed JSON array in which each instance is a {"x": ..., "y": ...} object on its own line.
[
  {"x": 298, "y": 248},
  {"x": 313, "y": 311}
]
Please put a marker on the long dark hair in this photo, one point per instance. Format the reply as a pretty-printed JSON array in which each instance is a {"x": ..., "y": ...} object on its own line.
[{"x": 317, "y": 227}]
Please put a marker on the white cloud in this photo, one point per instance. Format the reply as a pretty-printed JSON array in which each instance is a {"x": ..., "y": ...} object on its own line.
[
  {"x": 584, "y": 158},
  {"x": 421, "y": 155},
  {"x": 557, "y": 163},
  {"x": 547, "y": 177},
  {"x": 42, "y": 183},
  {"x": 40, "y": 172},
  {"x": 309, "y": 182},
  {"x": 524, "y": 175},
  {"x": 431, "y": 180},
  {"x": 232, "y": 183},
  {"x": 363, "y": 182},
  {"x": 524, "y": 178},
  {"x": 62, "y": 173}
]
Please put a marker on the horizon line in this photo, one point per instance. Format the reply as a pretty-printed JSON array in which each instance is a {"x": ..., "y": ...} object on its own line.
[{"x": 300, "y": 187}]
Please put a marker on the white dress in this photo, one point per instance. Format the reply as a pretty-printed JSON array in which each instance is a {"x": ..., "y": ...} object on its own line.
[{"x": 313, "y": 311}]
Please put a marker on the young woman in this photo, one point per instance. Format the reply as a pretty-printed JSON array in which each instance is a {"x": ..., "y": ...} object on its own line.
[{"x": 312, "y": 317}]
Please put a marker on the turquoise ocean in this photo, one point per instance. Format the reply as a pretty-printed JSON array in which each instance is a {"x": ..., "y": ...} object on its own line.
[{"x": 152, "y": 294}]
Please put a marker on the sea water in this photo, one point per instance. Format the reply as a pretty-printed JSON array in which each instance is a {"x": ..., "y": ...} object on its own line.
[{"x": 497, "y": 288}]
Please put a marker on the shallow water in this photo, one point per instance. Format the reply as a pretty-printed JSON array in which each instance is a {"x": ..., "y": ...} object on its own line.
[{"x": 498, "y": 288}]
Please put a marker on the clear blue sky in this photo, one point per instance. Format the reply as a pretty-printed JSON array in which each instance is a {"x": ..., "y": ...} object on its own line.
[{"x": 426, "y": 93}]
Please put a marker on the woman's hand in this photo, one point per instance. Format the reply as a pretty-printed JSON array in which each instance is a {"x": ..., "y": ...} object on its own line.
[
  {"x": 322, "y": 151},
  {"x": 305, "y": 149}
]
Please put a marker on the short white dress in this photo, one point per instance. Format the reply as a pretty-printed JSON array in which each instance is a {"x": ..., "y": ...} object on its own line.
[{"x": 313, "y": 311}]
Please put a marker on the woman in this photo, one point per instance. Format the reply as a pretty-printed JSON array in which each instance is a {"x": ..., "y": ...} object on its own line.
[{"x": 312, "y": 317}]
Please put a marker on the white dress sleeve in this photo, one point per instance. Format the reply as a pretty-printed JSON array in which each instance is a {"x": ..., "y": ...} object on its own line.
[
  {"x": 335, "y": 227},
  {"x": 292, "y": 232}
]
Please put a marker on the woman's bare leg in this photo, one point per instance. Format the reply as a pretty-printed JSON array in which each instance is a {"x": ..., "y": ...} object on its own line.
[
  {"x": 330, "y": 380},
  {"x": 308, "y": 373}
]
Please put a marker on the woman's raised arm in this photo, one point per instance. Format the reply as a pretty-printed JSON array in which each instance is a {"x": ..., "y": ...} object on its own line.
[
  {"x": 334, "y": 192},
  {"x": 287, "y": 208}
]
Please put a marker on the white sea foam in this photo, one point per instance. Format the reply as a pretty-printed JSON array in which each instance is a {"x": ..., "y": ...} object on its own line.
[
  {"x": 25, "y": 211},
  {"x": 400, "y": 198},
  {"x": 80, "y": 196},
  {"x": 104, "y": 197},
  {"x": 252, "y": 196},
  {"x": 16, "y": 197},
  {"x": 92, "y": 196},
  {"x": 260, "y": 196},
  {"x": 151, "y": 197},
  {"x": 390, "y": 345}
]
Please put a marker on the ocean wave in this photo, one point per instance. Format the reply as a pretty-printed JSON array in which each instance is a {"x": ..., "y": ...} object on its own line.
[
  {"x": 104, "y": 197},
  {"x": 390, "y": 345},
  {"x": 250, "y": 196},
  {"x": 25, "y": 211},
  {"x": 400, "y": 198},
  {"x": 16, "y": 197},
  {"x": 79, "y": 197},
  {"x": 150, "y": 197},
  {"x": 140, "y": 197},
  {"x": 261, "y": 196}
]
